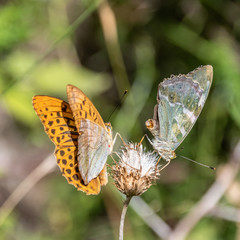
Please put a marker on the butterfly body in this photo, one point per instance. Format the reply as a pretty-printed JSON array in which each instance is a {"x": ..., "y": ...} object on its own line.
[{"x": 180, "y": 100}]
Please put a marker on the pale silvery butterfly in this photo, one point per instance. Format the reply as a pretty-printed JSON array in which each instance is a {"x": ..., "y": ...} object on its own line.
[{"x": 180, "y": 100}]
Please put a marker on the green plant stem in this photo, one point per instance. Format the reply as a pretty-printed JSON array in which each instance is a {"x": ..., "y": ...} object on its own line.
[{"x": 125, "y": 206}]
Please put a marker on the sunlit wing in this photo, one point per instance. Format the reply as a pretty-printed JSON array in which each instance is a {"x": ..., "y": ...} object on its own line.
[
  {"x": 57, "y": 119},
  {"x": 180, "y": 101}
]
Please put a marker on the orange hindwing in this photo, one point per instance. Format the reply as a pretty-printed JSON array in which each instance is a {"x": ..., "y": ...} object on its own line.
[{"x": 57, "y": 119}]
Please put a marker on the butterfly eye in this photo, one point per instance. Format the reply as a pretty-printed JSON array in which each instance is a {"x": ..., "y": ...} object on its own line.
[
  {"x": 150, "y": 123},
  {"x": 109, "y": 127}
]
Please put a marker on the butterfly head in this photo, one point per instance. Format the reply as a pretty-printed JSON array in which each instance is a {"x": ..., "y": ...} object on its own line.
[
  {"x": 153, "y": 126},
  {"x": 109, "y": 131},
  {"x": 108, "y": 127}
]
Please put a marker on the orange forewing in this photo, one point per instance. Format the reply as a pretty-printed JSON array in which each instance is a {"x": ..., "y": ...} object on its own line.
[
  {"x": 57, "y": 119},
  {"x": 82, "y": 107}
]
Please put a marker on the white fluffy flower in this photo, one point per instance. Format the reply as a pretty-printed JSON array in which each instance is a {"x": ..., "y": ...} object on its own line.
[{"x": 136, "y": 170}]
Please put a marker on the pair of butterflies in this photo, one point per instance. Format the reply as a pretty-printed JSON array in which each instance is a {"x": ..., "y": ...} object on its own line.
[{"x": 83, "y": 141}]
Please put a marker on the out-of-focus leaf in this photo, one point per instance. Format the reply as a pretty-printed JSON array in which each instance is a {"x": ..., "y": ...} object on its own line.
[
  {"x": 204, "y": 230},
  {"x": 140, "y": 90},
  {"x": 51, "y": 79},
  {"x": 13, "y": 27},
  {"x": 18, "y": 102}
]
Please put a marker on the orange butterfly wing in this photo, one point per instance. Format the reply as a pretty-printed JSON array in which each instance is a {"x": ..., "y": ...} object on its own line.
[
  {"x": 82, "y": 107},
  {"x": 57, "y": 119}
]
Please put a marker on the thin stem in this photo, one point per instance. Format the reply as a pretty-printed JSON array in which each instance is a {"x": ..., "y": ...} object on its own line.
[
  {"x": 44, "y": 168},
  {"x": 109, "y": 27},
  {"x": 125, "y": 206}
]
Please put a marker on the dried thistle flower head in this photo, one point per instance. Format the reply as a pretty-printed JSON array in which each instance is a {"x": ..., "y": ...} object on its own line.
[{"x": 136, "y": 170}]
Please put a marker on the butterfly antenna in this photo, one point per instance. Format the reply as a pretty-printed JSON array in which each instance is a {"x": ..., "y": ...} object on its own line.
[
  {"x": 120, "y": 102},
  {"x": 189, "y": 159}
]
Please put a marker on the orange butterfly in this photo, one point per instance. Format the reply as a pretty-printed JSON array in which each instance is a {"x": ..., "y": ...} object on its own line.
[{"x": 83, "y": 141}]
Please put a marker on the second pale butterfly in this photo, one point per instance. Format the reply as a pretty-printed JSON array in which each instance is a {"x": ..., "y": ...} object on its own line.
[
  {"x": 83, "y": 141},
  {"x": 180, "y": 101}
]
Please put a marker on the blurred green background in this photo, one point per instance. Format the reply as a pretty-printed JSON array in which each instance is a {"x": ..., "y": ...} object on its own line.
[{"x": 45, "y": 45}]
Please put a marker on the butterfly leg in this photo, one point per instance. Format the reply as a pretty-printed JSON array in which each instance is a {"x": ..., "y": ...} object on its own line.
[
  {"x": 113, "y": 159},
  {"x": 168, "y": 161},
  {"x": 145, "y": 135},
  {"x": 148, "y": 139},
  {"x": 116, "y": 155},
  {"x": 115, "y": 138}
]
